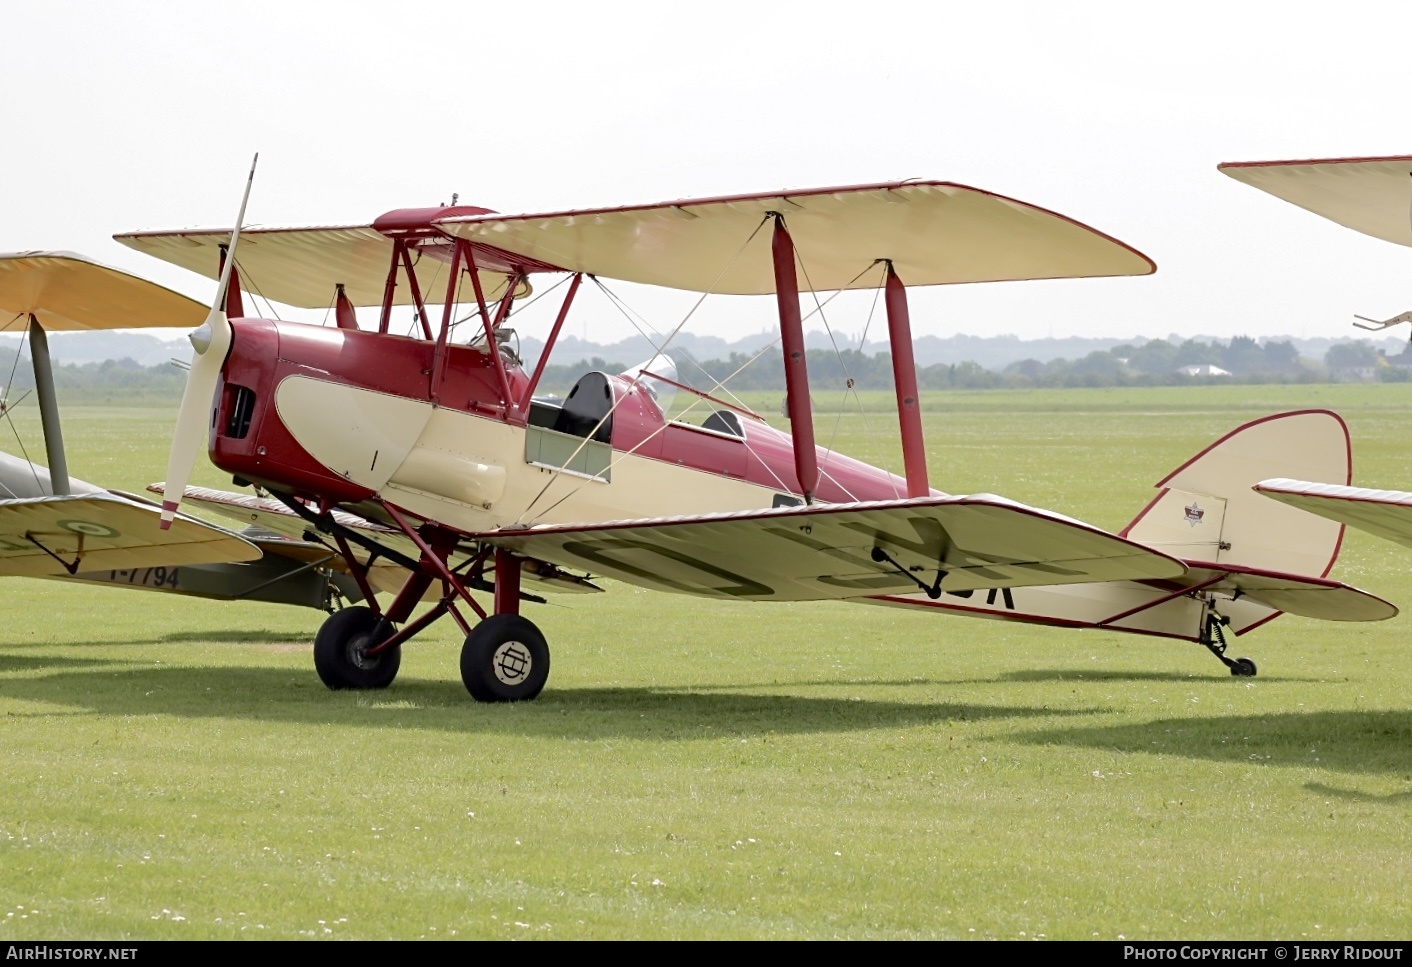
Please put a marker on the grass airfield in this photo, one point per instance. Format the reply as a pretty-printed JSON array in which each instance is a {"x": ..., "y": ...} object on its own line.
[{"x": 172, "y": 768}]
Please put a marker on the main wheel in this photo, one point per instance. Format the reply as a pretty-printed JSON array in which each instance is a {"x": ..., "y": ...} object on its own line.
[
  {"x": 505, "y": 659},
  {"x": 1243, "y": 668},
  {"x": 341, "y": 651}
]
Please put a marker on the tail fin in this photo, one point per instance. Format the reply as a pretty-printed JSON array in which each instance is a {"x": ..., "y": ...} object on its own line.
[{"x": 1206, "y": 510}]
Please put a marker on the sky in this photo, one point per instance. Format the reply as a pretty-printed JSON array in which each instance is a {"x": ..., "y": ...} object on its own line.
[{"x": 125, "y": 115}]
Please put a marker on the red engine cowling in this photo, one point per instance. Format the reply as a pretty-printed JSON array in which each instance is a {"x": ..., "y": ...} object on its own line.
[{"x": 247, "y": 436}]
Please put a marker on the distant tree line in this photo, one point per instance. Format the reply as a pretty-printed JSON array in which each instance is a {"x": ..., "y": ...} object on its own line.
[
  {"x": 120, "y": 380},
  {"x": 1154, "y": 363}
]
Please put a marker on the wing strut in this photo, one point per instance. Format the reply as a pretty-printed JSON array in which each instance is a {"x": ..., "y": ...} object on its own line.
[
  {"x": 48, "y": 410},
  {"x": 796, "y": 375},
  {"x": 904, "y": 378}
]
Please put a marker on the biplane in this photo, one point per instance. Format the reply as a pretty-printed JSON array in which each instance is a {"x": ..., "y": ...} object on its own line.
[
  {"x": 1372, "y": 196},
  {"x": 54, "y": 525},
  {"x": 433, "y": 453}
]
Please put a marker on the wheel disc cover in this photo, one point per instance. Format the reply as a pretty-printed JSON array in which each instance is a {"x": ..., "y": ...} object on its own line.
[{"x": 512, "y": 663}]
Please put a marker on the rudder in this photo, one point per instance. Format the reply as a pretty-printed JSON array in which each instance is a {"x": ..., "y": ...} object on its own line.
[{"x": 1208, "y": 511}]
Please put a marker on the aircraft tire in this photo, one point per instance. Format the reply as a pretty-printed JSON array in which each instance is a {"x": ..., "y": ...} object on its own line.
[
  {"x": 505, "y": 659},
  {"x": 1243, "y": 668},
  {"x": 339, "y": 647}
]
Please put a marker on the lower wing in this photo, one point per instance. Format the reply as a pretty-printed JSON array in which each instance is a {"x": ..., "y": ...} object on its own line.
[
  {"x": 830, "y": 551},
  {"x": 277, "y": 519},
  {"x": 51, "y": 536}
]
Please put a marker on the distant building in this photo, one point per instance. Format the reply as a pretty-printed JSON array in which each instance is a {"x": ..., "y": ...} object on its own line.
[{"x": 1205, "y": 369}]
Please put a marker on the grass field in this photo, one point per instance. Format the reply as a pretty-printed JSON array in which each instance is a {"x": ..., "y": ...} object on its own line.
[{"x": 172, "y": 768}]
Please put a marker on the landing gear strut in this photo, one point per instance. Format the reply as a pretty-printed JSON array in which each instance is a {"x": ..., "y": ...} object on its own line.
[
  {"x": 1215, "y": 641},
  {"x": 505, "y": 658}
]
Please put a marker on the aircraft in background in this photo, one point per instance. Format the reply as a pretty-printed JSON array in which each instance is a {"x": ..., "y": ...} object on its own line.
[
  {"x": 474, "y": 484},
  {"x": 55, "y": 525},
  {"x": 1372, "y": 196}
]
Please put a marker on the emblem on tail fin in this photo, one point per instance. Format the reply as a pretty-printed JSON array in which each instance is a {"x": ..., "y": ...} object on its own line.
[{"x": 1194, "y": 514}]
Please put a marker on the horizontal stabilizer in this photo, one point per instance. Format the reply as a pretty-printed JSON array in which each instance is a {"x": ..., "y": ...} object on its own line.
[
  {"x": 831, "y": 551},
  {"x": 65, "y": 291},
  {"x": 1383, "y": 513},
  {"x": 51, "y": 536},
  {"x": 1291, "y": 593}
]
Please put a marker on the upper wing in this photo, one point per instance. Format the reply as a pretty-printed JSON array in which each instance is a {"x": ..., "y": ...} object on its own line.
[
  {"x": 1368, "y": 195},
  {"x": 46, "y": 536},
  {"x": 301, "y": 266},
  {"x": 933, "y": 232},
  {"x": 1385, "y": 513},
  {"x": 826, "y": 551},
  {"x": 67, "y": 291}
]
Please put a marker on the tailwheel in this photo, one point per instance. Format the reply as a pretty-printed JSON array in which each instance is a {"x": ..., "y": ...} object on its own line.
[
  {"x": 505, "y": 659},
  {"x": 341, "y": 650},
  {"x": 1215, "y": 641},
  {"x": 1243, "y": 668}
]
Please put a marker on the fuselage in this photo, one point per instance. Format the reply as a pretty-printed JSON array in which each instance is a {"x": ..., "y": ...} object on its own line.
[{"x": 344, "y": 416}]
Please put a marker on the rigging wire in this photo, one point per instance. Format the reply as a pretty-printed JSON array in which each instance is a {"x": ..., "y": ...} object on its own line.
[
  {"x": 849, "y": 382},
  {"x": 254, "y": 291},
  {"x": 11, "y": 420},
  {"x": 618, "y": 458},
  {"x": 629, "y": 313},
  {"x": 718, "y": 384},
  {"x": 863, "y": 413},
  {"x": 558, "y": 472}
]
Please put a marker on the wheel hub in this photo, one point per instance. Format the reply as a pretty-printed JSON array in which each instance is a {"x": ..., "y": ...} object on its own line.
[
  {"x": 358, "y": 653},
  {"x": 512, "y": 663}
]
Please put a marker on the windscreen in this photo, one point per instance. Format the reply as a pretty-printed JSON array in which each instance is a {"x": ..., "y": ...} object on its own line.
[{"x": 658, "y": 365}]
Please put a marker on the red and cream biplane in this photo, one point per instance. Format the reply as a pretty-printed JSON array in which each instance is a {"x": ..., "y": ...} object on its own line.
[
  {"x": 1372, "y": 196},
  {"x": 433, "y": 454}
]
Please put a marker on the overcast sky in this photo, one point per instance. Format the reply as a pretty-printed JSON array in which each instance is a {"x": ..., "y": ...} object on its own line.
[{"x": 121, "y": 116}]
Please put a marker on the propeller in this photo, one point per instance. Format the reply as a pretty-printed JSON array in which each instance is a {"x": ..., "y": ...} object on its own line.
[{"x": 211, "y": 342}]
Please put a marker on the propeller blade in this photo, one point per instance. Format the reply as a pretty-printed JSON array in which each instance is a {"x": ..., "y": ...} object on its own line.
[{"x": 210, "y": 344}]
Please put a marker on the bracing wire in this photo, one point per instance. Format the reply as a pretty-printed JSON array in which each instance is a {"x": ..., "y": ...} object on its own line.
[
  {"x": 632, "y": 315},
  {"x": 849, "y": 383},
  {"x": 558, "y": 472},
  {"x": 11, "y": 420},
  {"x": 661, "y": 429},
  {"x": 254, "y": 290},
  {"x": 718, "y": 384}
]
